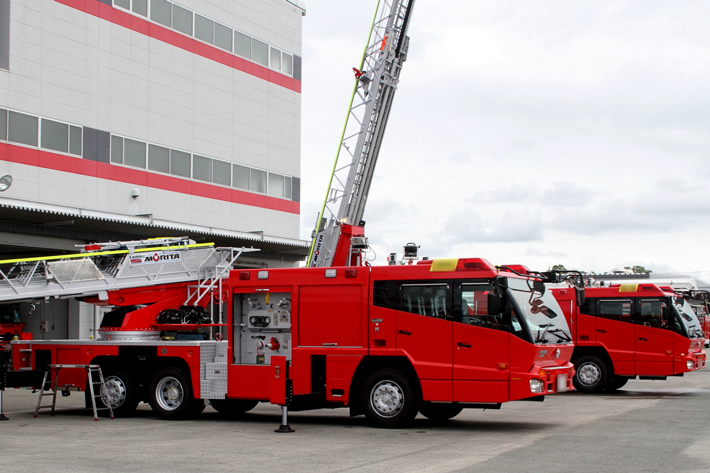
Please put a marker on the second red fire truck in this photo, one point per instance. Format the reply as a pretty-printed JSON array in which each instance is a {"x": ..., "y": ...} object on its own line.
[{"x": 630, "y": 330}]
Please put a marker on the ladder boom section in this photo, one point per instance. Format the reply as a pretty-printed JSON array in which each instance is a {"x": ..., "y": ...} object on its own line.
[
  {"x": 106, "y": 267},
  {"x": 376, "y": 82}
]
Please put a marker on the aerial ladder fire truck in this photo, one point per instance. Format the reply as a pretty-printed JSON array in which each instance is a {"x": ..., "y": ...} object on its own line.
[{"x": 385, "y": 341}]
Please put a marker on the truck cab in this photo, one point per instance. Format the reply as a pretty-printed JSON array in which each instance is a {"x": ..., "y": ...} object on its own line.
[{"x": 629, "y": 330}]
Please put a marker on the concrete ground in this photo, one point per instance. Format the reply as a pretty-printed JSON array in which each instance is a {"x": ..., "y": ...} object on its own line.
[{"x": 648, "y": 426}]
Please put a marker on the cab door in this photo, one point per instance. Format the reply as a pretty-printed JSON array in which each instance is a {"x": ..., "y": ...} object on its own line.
[
  {"x": 424, "y": 331},
  {"x": 615, "y": 332},
  {"x": 654, "y": 342},
  {"x": 481, "y": 351}
]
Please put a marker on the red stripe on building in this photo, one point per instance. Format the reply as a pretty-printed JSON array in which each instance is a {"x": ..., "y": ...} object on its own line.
[
  {"x": 166, "y": 35},
  {"x": 86, "y": 167}
]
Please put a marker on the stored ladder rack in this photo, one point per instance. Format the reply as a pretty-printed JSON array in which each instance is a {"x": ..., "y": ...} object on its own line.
[{"x": 116, "y": 265}]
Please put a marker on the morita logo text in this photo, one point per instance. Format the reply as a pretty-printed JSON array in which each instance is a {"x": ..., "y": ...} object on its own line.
[{"x": 150, "y": 258}]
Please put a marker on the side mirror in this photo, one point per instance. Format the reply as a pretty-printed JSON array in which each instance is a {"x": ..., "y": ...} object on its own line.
[
  {"x": 494, "y": 303},
  {"x": 539, "y": 286},
  {"x": 580, "y": 296}
]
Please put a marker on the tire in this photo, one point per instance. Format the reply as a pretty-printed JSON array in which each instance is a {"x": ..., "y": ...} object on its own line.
[
  {"x": 439, "y": 412},
  {"x": 592, "y": 375},
  {"x": 122, "y": 392},
  {"x": 232, "y": 408},
  {"x": 616, "y": 382},
  {"x": 389, "y": 399},
  {"x": 170, "y": 395}
]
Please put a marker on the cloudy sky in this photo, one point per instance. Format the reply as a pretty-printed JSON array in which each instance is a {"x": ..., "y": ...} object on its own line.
[{"x": 534, "y": 132}]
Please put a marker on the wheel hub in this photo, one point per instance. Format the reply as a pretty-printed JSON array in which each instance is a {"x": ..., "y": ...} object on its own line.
[
  {"x": 387, "y": 398},
  {"x": 169, "y": 393},
  {"x": 589, "y": 374},
  {"x": 115, "y": 391}
]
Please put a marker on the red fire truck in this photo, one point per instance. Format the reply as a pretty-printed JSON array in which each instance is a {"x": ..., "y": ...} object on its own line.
[
  {"x": 699, "y": 301},
  {"x": 10, "y": 323},
  {"x": 386, "y": 341},
  {"x": 629, "y": 330}
]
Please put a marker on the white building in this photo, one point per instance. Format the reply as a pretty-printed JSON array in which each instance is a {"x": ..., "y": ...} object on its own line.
[{"x": 126, "y": 119}]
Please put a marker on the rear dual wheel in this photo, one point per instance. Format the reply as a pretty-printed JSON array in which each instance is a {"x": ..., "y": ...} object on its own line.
[
  {"x": 122, "y": 392},
  {"x": 171, "y": 395},
  {"x": 616, "y": 382},
  {"x": 439, "y": 412},
  {"x": 233, "y": 407}
]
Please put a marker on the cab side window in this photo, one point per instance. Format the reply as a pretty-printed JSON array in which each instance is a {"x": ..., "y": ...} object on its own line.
[
  {"x": 616, "y": 309},
  {"x": 474, "y": 307},
  {"x": 430, "y": 300},
  {"x": 650, "y": 313},
  {"x": 589, "y": 306},
  {"x": 384, "y": 294}
]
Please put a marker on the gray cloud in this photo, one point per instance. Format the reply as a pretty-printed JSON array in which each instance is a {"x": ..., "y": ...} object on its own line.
[{"x": 468, "y": 226}]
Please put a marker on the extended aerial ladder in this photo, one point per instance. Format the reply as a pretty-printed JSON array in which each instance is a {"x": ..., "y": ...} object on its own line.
[{"x": 338, "y": 238}]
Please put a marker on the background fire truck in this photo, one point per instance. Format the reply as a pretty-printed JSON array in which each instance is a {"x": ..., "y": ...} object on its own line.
[
  {"x": 628, "y": 330},
  {"x": 699, "y": 301},
  {"x": 10, "y": 322}
]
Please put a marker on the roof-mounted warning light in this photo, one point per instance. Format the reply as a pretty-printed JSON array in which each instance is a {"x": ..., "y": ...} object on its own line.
[
  {"x": 474, "y": 264},
  {"x": 462, "y": 264},
  {"x": 517, "y": 268}
]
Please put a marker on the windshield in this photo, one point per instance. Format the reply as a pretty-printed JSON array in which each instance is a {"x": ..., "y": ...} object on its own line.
[
  {"x": 687, "y": 317},
  {"x": 539, "y": 310}
]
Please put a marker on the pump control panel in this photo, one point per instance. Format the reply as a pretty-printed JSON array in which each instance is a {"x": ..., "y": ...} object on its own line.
[{"x": 263, "y": 324}]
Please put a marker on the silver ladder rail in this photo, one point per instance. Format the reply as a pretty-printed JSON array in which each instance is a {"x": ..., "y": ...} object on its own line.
[{"x": 111, "y": 266}]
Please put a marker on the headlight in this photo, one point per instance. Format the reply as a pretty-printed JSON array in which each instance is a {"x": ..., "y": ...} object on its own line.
[
  {"x": 689, "y": 364},
  {"x": 537, "y": 386}
]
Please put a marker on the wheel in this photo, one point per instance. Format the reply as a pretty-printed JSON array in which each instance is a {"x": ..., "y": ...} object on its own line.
[
  {"x": 439, "y": 412},
  {"x": 389, "y": 399},
  {"x": 170, "y": 395},
  {"x": 121, "y": 390},
  {"x": 591, "y": 376},
  {"x": 616, "y": 382},
  {"x": 232, "y": 407}
]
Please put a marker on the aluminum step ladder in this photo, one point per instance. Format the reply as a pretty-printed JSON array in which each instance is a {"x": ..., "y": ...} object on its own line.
[{"x": 91, "y": 371}]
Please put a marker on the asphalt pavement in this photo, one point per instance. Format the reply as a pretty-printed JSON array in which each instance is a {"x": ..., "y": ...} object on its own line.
[{"x": 648, "y": 426}]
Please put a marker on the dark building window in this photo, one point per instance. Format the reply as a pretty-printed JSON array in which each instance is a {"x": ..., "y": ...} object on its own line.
[{"x": 5, "y": 34}]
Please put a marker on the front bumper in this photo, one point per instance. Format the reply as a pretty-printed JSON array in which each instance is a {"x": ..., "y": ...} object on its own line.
[{"x": 541, "y": 381}]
